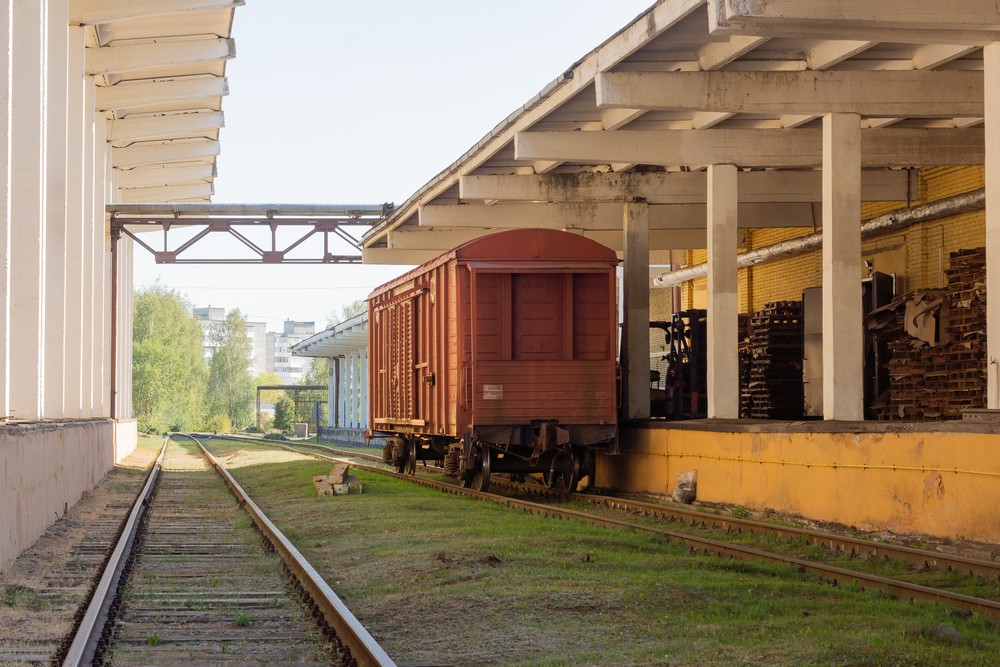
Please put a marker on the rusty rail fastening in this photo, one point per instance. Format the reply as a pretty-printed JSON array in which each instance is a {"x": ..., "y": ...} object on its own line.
[
  {"x": 363, "y": 647},
  {"x": 829, "y": 573}
]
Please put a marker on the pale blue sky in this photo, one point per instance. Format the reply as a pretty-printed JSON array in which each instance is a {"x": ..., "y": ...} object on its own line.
[{"x": 363, "y": 102}]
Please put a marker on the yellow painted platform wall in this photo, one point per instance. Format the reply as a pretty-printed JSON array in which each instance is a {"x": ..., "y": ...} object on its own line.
[
  {"x": 943, "y": 484},
  {"x": 918, "y": 254}
]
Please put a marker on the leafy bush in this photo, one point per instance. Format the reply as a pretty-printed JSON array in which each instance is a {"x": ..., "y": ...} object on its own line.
[{"x": 219, "y": 424}]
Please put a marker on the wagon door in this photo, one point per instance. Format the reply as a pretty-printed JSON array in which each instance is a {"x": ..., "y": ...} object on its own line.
[{"x": 398, "y": 354}]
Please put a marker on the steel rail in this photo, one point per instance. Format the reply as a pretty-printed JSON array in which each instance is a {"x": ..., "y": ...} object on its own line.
[
  {"x": 833, "y": 574},
  {"x": 363, "y": 647},
  {"x": 88, "y": 634},
  {"x": 855, "y": 546}
]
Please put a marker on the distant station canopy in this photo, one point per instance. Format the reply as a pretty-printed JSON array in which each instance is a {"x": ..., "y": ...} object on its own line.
[{"x": 264, "y": 233}]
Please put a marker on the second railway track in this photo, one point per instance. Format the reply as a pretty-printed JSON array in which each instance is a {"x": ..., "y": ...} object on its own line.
[{"x": 987, "y": 607}]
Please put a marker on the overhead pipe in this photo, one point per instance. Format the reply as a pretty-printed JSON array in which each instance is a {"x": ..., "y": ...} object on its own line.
[{"x": 967, "y": 201}]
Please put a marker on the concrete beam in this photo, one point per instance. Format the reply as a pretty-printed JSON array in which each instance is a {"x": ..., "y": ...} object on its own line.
[
  {"x": 678, "y": 187},
  {"x": 921, "y": 22},
  {"x": 751, "y": 148},
  {"x": 602, "y": 216},
  {"x": 397, "y": 257},
  {"x": 93, "y": 12},
  {"x": 167, "y": 194},
  {"x": 124, "y": 96},
  {"x": 133, "y": 156},
  {"x": 137, "y": 129},
  {"x": 921, "y": 93},
  {"x": 103, "y": 60},
  {"x": 146, "y": 177}
]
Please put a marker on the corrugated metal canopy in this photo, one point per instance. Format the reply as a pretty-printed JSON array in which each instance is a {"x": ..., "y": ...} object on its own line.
[
  {"x": 695, "y": 82},
  {"x": 160, "y": 67},
  {"x": 344, "y": 338}
]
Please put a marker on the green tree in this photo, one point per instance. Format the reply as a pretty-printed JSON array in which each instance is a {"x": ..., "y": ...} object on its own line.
[
  {"x": 168, "y": 365},
  {"x": 230, "y": 383},
  {"x": 347, "y": 311},
  {"x": 284, "y": 414}
]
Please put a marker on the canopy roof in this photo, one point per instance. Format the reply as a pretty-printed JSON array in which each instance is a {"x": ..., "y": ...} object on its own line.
[
  {"x": 160, "y": 67},
  {"x": 696, "y": 82},
  {"x": 344, "y": 338}
]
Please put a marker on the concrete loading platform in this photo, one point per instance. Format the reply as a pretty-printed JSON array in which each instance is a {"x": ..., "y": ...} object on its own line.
[{"x": 932, "y": 479}]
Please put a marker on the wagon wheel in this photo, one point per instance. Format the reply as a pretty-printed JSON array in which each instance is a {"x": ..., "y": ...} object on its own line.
[
  {"x": 408, "y": 464},
  {"x": 564, "y": 473},
  {"x": 479, "y": 478}
]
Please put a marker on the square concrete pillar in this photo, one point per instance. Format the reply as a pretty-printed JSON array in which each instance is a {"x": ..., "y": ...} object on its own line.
[
  {"x": 87, "y": 339},
  {"x": 5, "y": 83},
  {"x": 843, "y": 388},
  {"x": 991, "y": 97},
  {"x": 76, "y": 137},
  {"x": 723, "y": 299},
  {"x": 56, "y": 137},
  {"x": 635, "y": 330},
  {"x": 27, "y": 209},
  {"x": 331, "y": 393}
]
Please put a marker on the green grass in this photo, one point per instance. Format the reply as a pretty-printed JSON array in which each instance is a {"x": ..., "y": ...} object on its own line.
[
  {"x": 17, "y": 595},
  {"x": 440, "y": 578}
]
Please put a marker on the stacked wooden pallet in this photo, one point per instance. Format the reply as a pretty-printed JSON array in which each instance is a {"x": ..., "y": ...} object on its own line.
[
  {"x": 775, "y": 350},
  {"x": 745, "y": 362},
  {"x": 939, "y": 381},
  {"x": 961, "y": 363}
]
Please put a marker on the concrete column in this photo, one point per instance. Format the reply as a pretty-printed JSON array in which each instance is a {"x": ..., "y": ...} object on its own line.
[
  {"x": 723, "y": 298},
  {"x": 364, "y": 388},
  {"x": 843, "y": 389},
  {"x": 27, "y": 209},
  {"x": 102, "y": 274},
  {"x": 73, "y": 350},
  {"x": 87, "y": 396},
  {"x": 5, "y": 94},
  {"x": 635, "y": 285},
  {"x": 991, "y": 97},
  {"x": 331, "y": 393},
  {"x": 126, "y": 249},
  {"x": 56, "y": 136},
  {"x": 342, "y": 412},
  {"x": 349, "y": 393},
  {"x": 354, "y": 390}
]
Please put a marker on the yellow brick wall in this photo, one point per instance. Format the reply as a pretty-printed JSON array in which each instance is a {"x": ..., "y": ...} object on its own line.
[{"x": 917, "y": 255}]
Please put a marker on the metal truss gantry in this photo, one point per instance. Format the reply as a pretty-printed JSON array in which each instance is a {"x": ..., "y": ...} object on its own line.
[{"x": 338, "y": 220}]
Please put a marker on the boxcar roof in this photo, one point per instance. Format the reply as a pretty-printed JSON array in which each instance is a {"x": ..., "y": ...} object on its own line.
[{"x": 513, "y": 245}]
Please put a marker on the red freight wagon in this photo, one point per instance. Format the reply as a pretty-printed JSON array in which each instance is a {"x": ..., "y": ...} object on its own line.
[{"x": 498, "y": 356}]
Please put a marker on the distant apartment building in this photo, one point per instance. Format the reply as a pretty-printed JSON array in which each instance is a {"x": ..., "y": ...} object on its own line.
[
  {"x": 211, "y": 318},
  {"x": 269, "y": 352},
  {"x": 291, "y": 370}
]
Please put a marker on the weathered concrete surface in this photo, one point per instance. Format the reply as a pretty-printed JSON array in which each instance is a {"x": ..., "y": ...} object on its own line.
[
  {"x": 44, "y": 469},
  {"x": 940, "y": 480}
]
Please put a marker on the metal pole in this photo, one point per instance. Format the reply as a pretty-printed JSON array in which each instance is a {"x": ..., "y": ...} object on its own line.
[{"x": 115, "y": 237}]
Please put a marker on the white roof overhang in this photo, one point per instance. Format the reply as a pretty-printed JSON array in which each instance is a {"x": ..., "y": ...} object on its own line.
[
  {"x": 347, "y": 337},
  {"x": 160, "y": 67},
  {"x": 691, "y": 83}
]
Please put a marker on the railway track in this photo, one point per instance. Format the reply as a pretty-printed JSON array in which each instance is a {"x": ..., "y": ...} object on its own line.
[
  {"x": 49, "y": 603},
  {"x": 833, "y": 574},
  {"x": 191, "y": 582}
]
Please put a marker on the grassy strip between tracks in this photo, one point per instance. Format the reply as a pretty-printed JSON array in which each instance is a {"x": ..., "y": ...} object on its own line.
[{"x": 443, "y": 579}]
